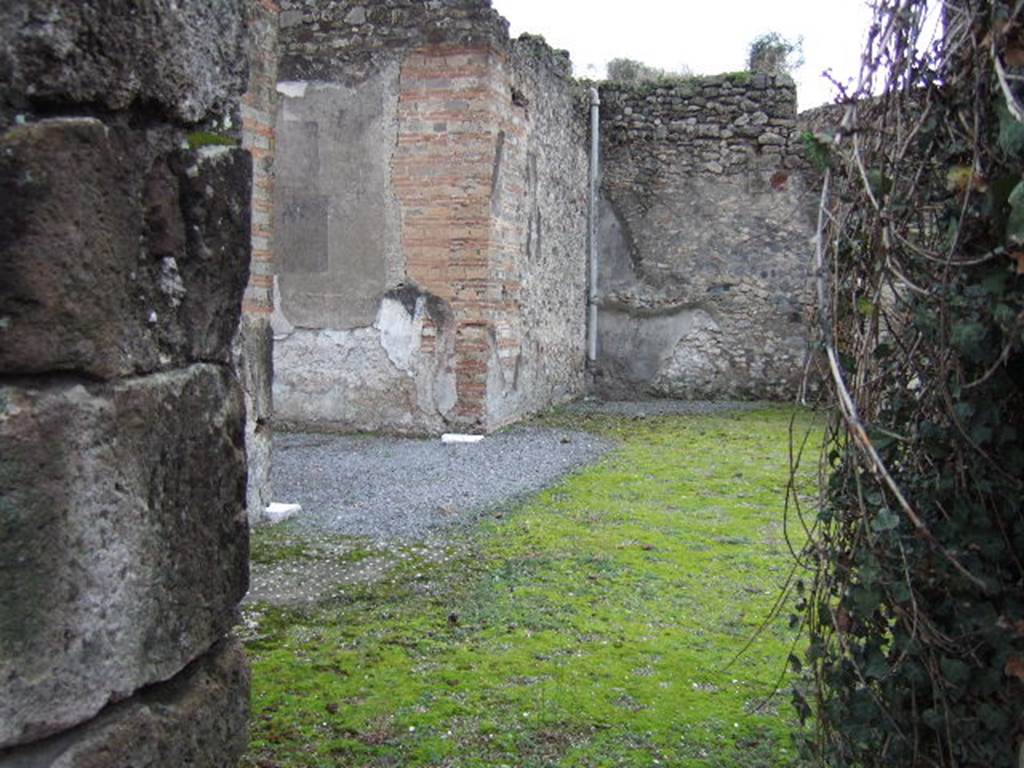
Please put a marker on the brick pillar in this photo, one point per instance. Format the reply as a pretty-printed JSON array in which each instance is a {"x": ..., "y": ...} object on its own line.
[
  {"x": 254, "y": 352},
  {"x": 124, "y": 255},
  {"x": 442, "y": 175}
]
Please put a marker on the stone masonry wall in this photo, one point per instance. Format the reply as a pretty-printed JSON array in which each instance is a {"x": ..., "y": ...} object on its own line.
[
  {"x": 539, "y": 236},
  {"x": 254, "y": 342},
  {"x": 124, "y": 254},
  {"x": 408, "y": 296},
  {"x": 704, "y": 232}
]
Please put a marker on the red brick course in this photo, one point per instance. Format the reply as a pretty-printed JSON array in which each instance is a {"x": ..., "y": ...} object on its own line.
[{"x": 258, "y": 108}]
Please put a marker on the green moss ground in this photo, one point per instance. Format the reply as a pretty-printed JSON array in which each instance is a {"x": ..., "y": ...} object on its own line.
[{"x": 591, "y": 625}]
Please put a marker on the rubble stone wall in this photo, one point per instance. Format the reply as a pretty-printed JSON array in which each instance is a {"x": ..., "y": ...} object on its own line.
[
  {"x": 125, "y": 254},
  {"x": 539, "y": 236},
  {"x": 704, "y": 239}
]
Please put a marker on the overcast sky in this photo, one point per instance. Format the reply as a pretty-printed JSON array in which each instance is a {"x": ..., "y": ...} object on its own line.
[{"x": 708, "y": 37}]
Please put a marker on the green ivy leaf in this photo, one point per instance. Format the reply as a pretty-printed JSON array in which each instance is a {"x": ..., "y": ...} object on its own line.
[
  {"x": 877, "y": 666},
  {"x": 933, "y": 719},
  {"x": 955, "y": 671},
  {"x": 901, "y": 592},
  {"x": 1015, "y": 222},
  {"x": 879, "y": 183},
  {"x": 883, "y": 351},
  {"x": 969, "y": 337},
  {"x": 1011, "y": 132},
  {"x": 885, "y": 520}
]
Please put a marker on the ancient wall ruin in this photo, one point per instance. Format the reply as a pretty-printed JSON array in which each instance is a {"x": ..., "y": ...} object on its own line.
[
  {"x": 431, "y": 204},
  {"x": 704, "y": 239},
  {"x": 125, "y": 253},
  {"x": 430, "y": 218}
]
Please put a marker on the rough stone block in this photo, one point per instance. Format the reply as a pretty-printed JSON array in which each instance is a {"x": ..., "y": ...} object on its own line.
[
  {"x": 121, "y": 253},
  {"x": 198, "y": 718},
  {"x": 123, "y": 538},
  {"x": 185, "y": 57}
]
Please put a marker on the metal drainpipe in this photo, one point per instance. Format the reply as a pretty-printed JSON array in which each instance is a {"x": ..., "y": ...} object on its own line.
[{"x": 595, "y": 169}]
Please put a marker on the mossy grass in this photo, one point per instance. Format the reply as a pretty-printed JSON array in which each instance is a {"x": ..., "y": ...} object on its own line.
[
  {"x": 200, "y": 139},
  {"x": 595, "y": 624}
]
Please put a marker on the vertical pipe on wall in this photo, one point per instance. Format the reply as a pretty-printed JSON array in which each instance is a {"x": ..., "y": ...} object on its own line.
[{"x": 595, "y": 169}]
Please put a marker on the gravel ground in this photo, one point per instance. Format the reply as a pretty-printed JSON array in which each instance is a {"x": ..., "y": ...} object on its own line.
[
  {"x": 401, "y": 489},
  {"x": 394, "y": 498}
]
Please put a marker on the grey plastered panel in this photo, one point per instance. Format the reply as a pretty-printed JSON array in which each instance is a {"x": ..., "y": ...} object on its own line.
[
  {"x": 298, "y": 150},
  {"x": 301, "y": 229}
]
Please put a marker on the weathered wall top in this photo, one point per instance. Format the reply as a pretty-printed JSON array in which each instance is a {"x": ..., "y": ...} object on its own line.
[
  {"x": 723, "y": 121},
  {"x": 346, "y": 40},
  {"x": 533, "y": 52},
  {"x": 100, "y": 55}
]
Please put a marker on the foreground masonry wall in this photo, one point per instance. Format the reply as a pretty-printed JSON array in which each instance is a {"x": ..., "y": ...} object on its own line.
[
  {"x": 430, "y": 219},
  {"x": 124, "y": 255},
  {"x": 704, "y": 232}
]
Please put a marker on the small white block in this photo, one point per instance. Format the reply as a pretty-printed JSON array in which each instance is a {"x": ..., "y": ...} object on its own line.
[
  {"x": 293, "y": 89},
  {"x": 452, "y": 437},
  {"x": 278, "y": 513}
]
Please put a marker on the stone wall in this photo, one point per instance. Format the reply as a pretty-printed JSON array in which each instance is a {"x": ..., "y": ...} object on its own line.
[
  {"x": 413, "y": 226},
  {"x": 254, "y": 342},
  {"x": 539, "y": 231},
  {"x": 704, "y": 230},
  {"x": 123, "y": 534}
]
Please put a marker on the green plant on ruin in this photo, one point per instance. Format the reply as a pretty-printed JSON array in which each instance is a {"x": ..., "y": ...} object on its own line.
[
  {"x": 816, "y": 149},
  {"x": 915, "y": 598},
  {"x": 200, "y": 139},
  {"x": 773, "y": 54},
  {"x": 742, "y": 77},
  {"x": 631, "y": 72}
]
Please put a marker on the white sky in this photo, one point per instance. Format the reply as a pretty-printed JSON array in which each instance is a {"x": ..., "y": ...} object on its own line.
[{"x": 707, "y": 36}]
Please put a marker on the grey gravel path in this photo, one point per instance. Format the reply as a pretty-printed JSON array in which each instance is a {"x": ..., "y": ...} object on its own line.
[
  {"x": 392, "y": 499},
  {"x": 400, "y": 489}
]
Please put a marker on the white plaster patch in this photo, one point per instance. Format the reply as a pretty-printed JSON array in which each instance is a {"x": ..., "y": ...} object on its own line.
[
  {"x": 446, "y": 393},
  {"x": 450, "y": 438},
  {"x": 293, "y": 89},
  {"x": 694, "y": 358},
  {"x": 279, "y": 323},
  {"x": 214, "y": 153},
  {"x": 278, "y": 512},
  {"x": 399, "y": 333}
]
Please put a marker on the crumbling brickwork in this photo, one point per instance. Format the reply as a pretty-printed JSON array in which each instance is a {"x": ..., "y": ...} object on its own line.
[
  {"x": 705, "y": 233},
  {"x": 123, "y": 535}
]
